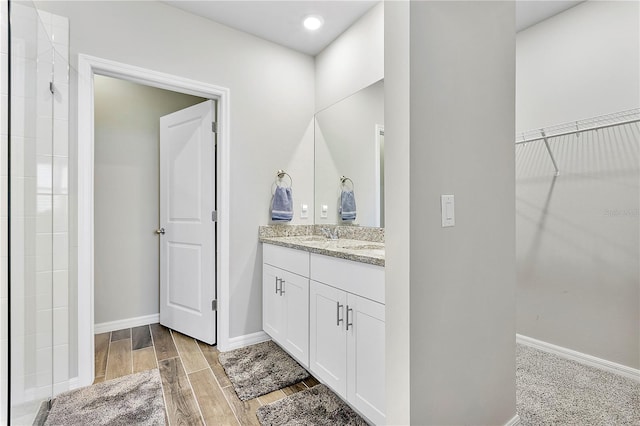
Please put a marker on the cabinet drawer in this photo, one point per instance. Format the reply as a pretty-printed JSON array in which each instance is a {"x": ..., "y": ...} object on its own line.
[
  {"x": 296, "y": 261},
  {"x": 354, "y": 277}
]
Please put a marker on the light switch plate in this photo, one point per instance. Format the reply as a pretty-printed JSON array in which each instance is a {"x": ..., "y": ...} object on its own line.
[
  {"x": 304, "y": 211},
  {"x": 447, "y": 204},
  {"x": 324, "y": 212}
]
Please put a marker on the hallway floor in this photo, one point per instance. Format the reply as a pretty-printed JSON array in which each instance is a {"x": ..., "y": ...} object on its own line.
[{"x": 196, "y": 389}]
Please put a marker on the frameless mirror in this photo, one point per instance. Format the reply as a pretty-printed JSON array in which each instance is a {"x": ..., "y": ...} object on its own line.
[{"x": 349, "y": 143}]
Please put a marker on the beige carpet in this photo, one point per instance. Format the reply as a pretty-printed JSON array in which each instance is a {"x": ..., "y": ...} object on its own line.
[
  {"x": 556, "y": 391},
  {"x": 130, "y": 400}
]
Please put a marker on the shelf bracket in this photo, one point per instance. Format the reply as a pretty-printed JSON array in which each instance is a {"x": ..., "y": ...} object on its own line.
[{"x": 546, "y": 144}]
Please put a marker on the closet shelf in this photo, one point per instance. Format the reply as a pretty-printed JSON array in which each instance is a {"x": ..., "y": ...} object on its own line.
[{"x": 576, "y": 127}]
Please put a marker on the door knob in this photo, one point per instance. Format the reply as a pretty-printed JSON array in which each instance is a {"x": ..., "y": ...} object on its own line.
[{"x": 160, "y": 231}]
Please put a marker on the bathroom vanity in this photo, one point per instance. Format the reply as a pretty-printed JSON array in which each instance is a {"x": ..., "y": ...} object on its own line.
[{"x": 323, "y": 302}]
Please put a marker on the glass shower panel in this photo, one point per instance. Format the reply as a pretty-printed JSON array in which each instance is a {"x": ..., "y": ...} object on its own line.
[{"x": 31, "y": 197}]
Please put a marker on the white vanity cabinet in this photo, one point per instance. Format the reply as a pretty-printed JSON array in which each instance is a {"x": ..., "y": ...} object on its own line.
[
  {"x": 285, "y": 299},
  {"x": 346, "y": 331}
]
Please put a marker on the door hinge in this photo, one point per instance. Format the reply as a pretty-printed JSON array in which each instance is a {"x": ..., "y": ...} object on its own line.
[
  {"x": 214, "y": 127},
  {"x": 214, "y": 305},
  {"x": 51, "y": 88},
  {"x": 214, "y": 216}
]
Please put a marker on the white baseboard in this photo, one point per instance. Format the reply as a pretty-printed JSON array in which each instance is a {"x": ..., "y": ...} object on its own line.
[
  {"x": 105, "y": 327},
  {"x": 515, "y": 421},
  {"x": 246, "y": 340},
  {"x": 585, "y": 359}
]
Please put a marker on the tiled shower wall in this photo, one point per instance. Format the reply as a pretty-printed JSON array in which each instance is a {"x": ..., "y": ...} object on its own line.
[
  {"x": 39, "y": 209},
  {"x": 57, "y": 30}
]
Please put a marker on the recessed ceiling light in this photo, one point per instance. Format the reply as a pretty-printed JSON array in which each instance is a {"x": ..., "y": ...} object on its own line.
[{"x": 313, "y": 22}]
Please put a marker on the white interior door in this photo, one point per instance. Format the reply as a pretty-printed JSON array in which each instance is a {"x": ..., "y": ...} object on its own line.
[{"x": 187, "y": 200}]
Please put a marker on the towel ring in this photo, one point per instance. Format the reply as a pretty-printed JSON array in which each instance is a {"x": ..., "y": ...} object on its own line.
[
  {"x": 281, "y": 174},
  {"x": 343, "y": 181}
]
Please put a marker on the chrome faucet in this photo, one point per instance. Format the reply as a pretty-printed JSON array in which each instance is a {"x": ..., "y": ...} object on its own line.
[{"x": 329, "y": 233}]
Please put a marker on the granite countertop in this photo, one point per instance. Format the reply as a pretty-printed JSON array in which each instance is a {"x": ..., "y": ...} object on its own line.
[{"x": 370, "y": 252}]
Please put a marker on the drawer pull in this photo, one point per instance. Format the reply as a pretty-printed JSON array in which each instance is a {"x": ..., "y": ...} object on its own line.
[
  {"x": 349, "y": 323},
  {"x": 277, "y": 280},
  {"x": 338, "y": 319}
]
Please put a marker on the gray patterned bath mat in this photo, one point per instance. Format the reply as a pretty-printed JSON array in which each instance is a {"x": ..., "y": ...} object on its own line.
[
  {"x": 259, "y": 369},
  {"x": 130, "y": 400},
  {"x": 316, "y": 406}
]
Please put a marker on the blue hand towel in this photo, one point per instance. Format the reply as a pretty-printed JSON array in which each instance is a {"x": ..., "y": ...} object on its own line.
[
  {"x": 282, "y": 206},
  {"x": 347, "y": 205}
]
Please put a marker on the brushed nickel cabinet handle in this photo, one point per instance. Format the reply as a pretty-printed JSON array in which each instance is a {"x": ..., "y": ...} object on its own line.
[
  {"x": 338, "y": 319},
  {"x": 349, "y": 323}
]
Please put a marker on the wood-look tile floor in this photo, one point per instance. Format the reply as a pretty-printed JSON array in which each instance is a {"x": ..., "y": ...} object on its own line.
[{"x": 196, "y": 389}]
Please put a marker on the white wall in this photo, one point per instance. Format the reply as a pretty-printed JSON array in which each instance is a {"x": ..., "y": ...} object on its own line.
[
  {"x": 578, "y": 246},
  {"x": 461, "y": 69},
  {"x": 127, "y": 174},
  {"x": 579, "y": 64},
  {"x": 353, "y": 61},
  {"x": 397, "y": 108},
  {"x": 272, "y": 102}
]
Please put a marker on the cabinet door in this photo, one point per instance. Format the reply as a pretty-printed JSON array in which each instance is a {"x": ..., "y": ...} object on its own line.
[
  {"x": 273, "y": 313},
  {"x": 365, "y": 357},
  {"x": 328, "y": 343},
  {"x": 296, "y": 299}
]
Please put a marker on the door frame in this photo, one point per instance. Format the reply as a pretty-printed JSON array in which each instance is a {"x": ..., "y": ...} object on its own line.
[{"x": 88, "y": 66}]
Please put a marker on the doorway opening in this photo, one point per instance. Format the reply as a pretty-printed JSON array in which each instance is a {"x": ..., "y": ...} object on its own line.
[
  {"x": 88, "y": 68},
  {"x": 154, "y": 149}
]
